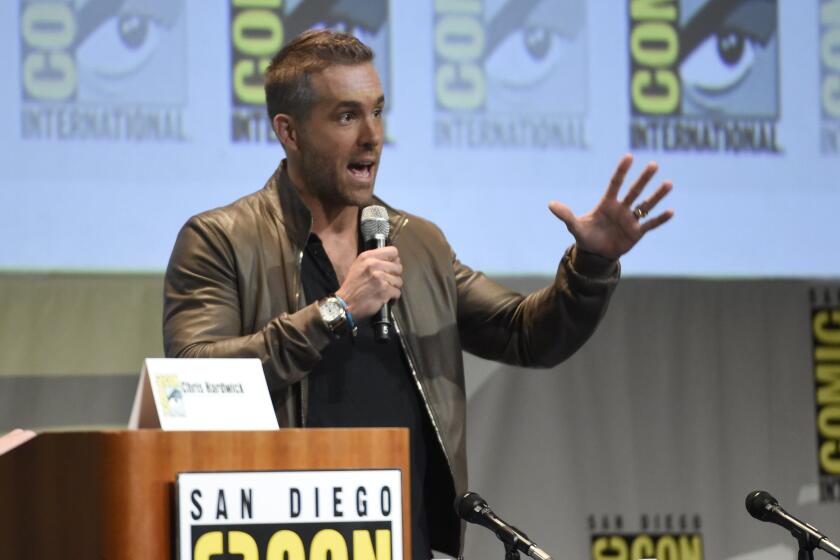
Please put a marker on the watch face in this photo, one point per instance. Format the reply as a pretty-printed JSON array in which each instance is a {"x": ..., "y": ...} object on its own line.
[{"x": 330, "y": 310}]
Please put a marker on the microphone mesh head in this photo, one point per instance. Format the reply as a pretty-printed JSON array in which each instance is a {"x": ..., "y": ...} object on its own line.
[
  {"x": 466, "y": 506},
  {"x": 375, "y": 222},
  {"x": 757, "y": 504}
]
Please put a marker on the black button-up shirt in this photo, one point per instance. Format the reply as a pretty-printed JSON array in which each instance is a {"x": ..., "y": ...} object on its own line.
[{"x": 363, "y": 383}]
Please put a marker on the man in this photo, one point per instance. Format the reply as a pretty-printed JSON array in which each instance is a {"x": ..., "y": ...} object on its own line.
[{"x": 281, "y": 275}]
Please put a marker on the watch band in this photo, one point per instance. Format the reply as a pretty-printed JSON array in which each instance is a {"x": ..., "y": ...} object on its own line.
[{"x": 350, "y": 322}]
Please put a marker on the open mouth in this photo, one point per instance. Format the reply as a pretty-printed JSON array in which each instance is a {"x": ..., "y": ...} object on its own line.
[{"x": 361, "y": 169}]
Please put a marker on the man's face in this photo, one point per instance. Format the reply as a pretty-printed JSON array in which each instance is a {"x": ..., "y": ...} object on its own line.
[{"x": 341, "y": 140}]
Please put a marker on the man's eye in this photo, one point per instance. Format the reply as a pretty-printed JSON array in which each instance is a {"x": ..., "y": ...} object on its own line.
[
  {"x": 345, "y": 117},
  {"x": 377, "y": 113}
]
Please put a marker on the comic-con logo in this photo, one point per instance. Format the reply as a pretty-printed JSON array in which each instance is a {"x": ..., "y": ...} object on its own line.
[
  {"x": 260, "y": 28},
  {"x": 510, "y": 73},
  {"x": 102, "y": 69},
  {"x": 171, "y": 396},
  {"x": 825, "y": 337},
  {"x": 656, "y": 536},
  {"x": 704, "y": 75},
  {"x": 294, "y": 515},
  {"x": 301, "y": 541},
  {"x": 830, "y": 76}
]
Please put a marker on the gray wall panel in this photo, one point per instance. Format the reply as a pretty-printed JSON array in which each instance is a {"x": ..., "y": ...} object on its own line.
[
  {"x": 88, "y": 401},
  {"x": 690, "y": 394}
]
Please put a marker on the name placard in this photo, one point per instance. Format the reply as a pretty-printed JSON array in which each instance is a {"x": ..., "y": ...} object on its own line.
[
  {"x": 290, "y": 514},
  {"x": 203, "y": 394}
]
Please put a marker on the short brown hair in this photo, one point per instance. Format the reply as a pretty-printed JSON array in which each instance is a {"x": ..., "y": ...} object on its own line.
[{"x": 288, "y": 88}]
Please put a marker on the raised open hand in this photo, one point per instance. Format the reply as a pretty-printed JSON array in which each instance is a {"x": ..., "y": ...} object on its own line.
[{"x": 613, "y": 227}]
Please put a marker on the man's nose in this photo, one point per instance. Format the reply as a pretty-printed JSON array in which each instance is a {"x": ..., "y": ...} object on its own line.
[{"x": 370, "y": 135}]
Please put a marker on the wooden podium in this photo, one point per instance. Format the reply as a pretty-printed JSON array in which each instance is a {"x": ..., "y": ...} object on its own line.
[{"x": 110, "y": 495}]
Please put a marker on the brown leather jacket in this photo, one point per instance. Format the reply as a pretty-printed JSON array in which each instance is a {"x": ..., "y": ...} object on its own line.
[{"x": 233, "y": 289}]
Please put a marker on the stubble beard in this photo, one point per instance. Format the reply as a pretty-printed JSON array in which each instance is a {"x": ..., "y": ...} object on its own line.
[{"x": 322, "y": 181}]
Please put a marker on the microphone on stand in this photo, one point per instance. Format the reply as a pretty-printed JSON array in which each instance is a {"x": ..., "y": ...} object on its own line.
[
  {"x": 375, "y": 230},
  {"x": 472, "y": 507},
  {"x": 765, "y": 507}
]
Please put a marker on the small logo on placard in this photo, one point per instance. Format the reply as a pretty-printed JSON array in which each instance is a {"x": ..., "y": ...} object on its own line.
[
  {"x": 102, "y": 70},
  {"x": 704, "y": 75},
  {"x": 259, "y": 28},
  {"x": 510, "y": 74},
  {"x": 671, "y": 536},
  {"x": 171, "y": 395}
]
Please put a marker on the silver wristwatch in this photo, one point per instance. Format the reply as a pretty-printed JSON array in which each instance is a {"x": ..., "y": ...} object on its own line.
[{"x": 334, "y": 315}]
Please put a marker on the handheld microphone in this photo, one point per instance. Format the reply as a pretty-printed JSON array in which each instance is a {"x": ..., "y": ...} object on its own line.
[
  {"x": 472, "y": 507},
  {"x": 375, "y": 230},
  {"x": 765, "y": 507}
]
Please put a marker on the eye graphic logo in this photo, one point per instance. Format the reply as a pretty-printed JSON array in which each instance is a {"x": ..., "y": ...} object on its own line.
[
  {"x": 259, "y": 28},
  {"x": 102, "y": 69},
  {"x": 704, "y": 75},
  {"x": 510, "y": 73},
  {"x": 830, "y": 76}
]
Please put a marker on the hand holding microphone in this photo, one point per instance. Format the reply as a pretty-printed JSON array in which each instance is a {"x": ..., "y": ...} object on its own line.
[{"x": 375, "y": 277}]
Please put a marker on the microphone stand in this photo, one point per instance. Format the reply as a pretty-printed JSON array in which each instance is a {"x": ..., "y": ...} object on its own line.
[
  {"x": 806, "y": 547},
  {"x": 510, "y": 551}
]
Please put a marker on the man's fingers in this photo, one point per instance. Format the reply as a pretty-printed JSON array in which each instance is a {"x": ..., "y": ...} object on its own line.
[
  {"x": 388, "y": 267},
  {"x": 386, "y": 279},
  {"x": 649, "y": 204},
  {"x": 654, "y": 223},
  {"x": 388, "y": 253},
  {"x": 394, "y": 280},
  {"x": 390, "y": 285},
  {"x": 564, "y": 213},
  {"x": 618, "y": 176},
  {"x": 383, "y": 259},
  {"x": 639, "y": 185}
]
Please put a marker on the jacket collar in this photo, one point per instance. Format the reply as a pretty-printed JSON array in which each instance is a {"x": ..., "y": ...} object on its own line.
[{"x": 295, "y": 215}]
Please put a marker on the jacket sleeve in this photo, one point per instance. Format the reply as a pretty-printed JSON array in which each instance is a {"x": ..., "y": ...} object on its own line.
[
  {"x": 202, "y": 316},
  {"x": 543, "y": 328}
]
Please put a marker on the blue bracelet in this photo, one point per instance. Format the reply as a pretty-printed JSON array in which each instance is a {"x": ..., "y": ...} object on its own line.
[{"x": 350, "y": 322}]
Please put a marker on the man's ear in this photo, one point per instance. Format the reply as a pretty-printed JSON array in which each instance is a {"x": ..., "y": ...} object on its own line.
[{"x": 286, "y": 130}]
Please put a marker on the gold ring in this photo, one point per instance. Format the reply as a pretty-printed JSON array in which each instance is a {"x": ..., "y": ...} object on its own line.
[{"x": 639, "y": 212}]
